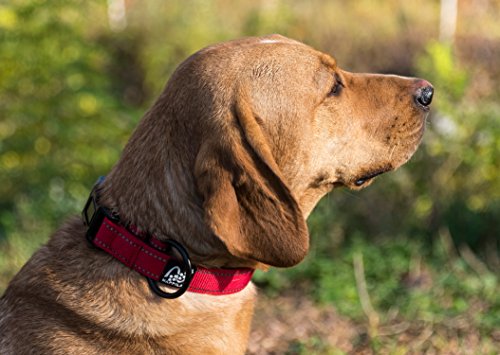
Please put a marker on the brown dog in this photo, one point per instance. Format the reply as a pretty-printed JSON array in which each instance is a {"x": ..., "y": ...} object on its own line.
[{"x": 231, "y": 159}]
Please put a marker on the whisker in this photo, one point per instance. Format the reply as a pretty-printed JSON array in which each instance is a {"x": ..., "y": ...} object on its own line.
[
  {"x": 352, "y": 194},
  {"x": 415, "y": 131},
  {"x": 393, "y": 148}
]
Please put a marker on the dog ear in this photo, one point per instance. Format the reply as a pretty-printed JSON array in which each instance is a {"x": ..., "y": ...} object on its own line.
[{"x": 246, "y": 201}]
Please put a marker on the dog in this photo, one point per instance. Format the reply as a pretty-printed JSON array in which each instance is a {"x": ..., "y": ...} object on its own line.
[{"x": 222, "y": 171}]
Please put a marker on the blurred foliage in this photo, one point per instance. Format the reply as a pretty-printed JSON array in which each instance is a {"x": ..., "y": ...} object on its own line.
[
  {"x": 440, "y": 64},
  {"x": 62, "y": 124},
  {"x": 72, "y": 89},
  {"x": 463, "y": 153}
]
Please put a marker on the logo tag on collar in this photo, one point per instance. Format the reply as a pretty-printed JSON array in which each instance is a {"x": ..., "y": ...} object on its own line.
[{"x": 174, "y": 276}]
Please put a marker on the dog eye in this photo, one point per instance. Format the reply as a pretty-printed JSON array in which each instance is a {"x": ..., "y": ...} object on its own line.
[{"x": 336, "y": 89}]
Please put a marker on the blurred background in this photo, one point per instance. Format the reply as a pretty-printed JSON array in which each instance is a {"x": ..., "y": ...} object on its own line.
[{"x": 409, "y": 264}]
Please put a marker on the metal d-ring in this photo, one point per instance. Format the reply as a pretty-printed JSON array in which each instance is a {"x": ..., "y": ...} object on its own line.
[{"x": 187, "y": 267}]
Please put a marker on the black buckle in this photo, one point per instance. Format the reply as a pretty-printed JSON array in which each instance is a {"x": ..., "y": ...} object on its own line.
[
  {"x": 93, "y": 214},
  {"x": 175, "y": 274}
]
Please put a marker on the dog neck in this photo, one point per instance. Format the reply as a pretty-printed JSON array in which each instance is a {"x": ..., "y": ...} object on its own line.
[
  {"x": 154, "y": 190},
  {"x": 154, "y": 259}
]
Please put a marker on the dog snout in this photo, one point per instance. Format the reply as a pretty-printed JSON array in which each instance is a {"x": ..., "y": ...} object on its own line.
[{"x": 424, "y": 93}]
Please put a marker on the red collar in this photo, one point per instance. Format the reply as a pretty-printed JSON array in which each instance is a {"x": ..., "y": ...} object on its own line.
[{"x": 148, "y": 256}]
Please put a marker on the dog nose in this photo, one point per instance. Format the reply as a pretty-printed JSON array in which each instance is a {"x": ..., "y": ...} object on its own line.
[{"x": 424, "y": 93}]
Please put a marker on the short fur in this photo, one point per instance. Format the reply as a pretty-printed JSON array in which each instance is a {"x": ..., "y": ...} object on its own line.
[{"x": 245, "y": 139}]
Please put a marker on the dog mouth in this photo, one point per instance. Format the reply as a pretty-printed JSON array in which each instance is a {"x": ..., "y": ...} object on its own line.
[{"x": 368, "y": 177}]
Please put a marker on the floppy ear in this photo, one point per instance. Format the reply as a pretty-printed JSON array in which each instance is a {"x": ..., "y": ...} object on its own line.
[{"x": 246, "y": 202}]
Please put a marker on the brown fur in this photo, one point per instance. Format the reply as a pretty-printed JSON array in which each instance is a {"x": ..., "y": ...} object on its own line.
[{"x": 229, "y": 161}]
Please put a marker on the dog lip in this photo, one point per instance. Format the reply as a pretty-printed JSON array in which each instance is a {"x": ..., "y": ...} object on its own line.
[{"x": 367, "y": 177}]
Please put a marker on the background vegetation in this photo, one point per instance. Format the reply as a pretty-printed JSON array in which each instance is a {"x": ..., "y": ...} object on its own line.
[{"x": 411, "y": 263}]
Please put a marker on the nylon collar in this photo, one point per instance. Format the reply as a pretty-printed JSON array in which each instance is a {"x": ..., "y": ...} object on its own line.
[{"x": 154, "y": 258}]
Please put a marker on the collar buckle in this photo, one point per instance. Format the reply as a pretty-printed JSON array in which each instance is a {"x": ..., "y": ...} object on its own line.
[{"x": 93, "y": 214}]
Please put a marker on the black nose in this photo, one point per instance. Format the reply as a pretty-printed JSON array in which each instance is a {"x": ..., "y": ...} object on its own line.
[{"x": 424, "y": 95}]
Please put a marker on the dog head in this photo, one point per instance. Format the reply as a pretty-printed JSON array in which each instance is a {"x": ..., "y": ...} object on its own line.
[{"x": 248, "y": 135}]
